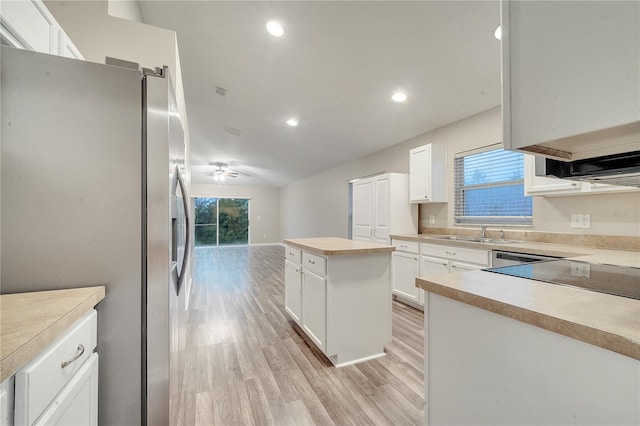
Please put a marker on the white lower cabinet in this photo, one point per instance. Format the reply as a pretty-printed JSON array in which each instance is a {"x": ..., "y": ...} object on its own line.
[
  {"x": 314, "y": 306},
  {"x": 60, "y": 385},
  {"x": 412, "y": 260},
  {"x": 293, "y": 290},
  {"x": 433, "y": 266},
  {"x": 406, "y": 268},
  {"x": 341, "y": 302}
]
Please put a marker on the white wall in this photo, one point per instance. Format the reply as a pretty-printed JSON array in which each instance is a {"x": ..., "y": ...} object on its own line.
[
  {"x": 318, "y": 205},
  {"x": 264, "y": 208}
]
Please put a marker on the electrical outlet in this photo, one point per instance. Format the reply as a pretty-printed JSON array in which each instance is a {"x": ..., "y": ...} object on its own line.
[
  {"x": 580, "y": 269},
  {"x": 581, "y": 220},
  {"x": 432, "y": 219}
]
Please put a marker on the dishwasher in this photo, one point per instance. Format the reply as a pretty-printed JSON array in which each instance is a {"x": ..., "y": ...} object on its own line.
[{"x": 508, "y": 258}]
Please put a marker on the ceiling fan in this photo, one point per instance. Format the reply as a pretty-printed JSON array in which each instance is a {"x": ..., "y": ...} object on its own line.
[{"x": 222, "y": 172}]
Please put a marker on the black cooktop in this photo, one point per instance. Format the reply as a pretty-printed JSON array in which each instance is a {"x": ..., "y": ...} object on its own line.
[{"x": 617, "y": 280}]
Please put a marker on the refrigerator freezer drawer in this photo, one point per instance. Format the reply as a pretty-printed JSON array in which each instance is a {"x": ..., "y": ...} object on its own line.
[{"x": 41, "y": 380}]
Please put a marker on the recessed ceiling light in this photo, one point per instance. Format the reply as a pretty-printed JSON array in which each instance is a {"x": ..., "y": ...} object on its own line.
[
  {"x": 292, "y": 122},
  {"x": 275, "y": 28},
  {"x": 498, "y": 32},
  {"x": 399, "y": 97}
]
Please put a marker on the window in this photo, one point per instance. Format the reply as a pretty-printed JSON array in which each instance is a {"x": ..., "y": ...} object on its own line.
[
  {"x": 221, "y": 221},
  {"x": 489, "y": 188}
]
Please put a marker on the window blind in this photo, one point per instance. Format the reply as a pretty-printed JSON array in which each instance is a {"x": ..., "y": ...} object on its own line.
[{"x": 489, "y": 188}]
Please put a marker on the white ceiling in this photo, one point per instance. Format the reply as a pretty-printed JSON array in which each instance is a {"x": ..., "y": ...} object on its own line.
[{"x": 334, "y": 69}]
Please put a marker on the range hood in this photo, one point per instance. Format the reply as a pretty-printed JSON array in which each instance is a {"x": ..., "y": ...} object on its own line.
[{"x": 616, "y": 169}]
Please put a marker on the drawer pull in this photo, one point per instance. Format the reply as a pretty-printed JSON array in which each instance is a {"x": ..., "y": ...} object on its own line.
[
  {"x": 311, "y": 262},
  {"x": 65, "y": 363},
  {"x": 451, "y": 253}
]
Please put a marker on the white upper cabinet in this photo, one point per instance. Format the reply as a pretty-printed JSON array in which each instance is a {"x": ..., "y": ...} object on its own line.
[
  {"x": 428, "y": 174},
  {"x": 28, "y": 24},
  {"x": 571, "y": 77},
  {"x": 380, "y": 208}
]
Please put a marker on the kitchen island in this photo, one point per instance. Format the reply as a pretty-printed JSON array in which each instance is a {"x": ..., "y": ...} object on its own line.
[
  {"x": 507, "y": 350},
  {"x": 338, "y": 292}
]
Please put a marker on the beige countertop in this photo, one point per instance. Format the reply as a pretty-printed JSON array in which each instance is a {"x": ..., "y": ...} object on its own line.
[
  {"x": 587, "y": 254},
  {"x": 332, "y": 246},
  {"x": 29, "y": 322},
  {"x": 610, "y": 322}
]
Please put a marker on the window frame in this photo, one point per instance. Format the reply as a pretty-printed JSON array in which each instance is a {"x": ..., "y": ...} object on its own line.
[{"x": 460, "y": 189}]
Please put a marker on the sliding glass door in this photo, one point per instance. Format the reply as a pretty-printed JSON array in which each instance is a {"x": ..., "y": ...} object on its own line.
[{"x": 221, "y": 221}]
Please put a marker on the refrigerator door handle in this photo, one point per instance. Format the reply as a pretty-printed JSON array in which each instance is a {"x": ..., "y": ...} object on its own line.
[{"x": 187, "y": 239}]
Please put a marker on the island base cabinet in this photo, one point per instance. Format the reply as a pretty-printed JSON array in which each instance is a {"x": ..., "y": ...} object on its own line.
[
  {"x": 293, "y": 290},
  {"x": 487, "y": 369},
  {"x": 344, "y": 303},
  {"x": 314, "y": 306},
  {"x": 358, "y": 308}
]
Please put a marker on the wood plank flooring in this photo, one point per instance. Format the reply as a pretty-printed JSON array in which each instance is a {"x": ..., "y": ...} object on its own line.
[{"x": 247, "y": 365}]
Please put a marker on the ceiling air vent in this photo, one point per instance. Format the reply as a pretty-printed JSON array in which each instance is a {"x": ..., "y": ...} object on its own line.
[
  {"x": 232, "y": 131},
  {"x": 221, "y": 91}
]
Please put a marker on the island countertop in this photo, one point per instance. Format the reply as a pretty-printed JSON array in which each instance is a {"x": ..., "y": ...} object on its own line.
[
  {"x": 610, "y": 322},
  {"x": 29, "y": 322},
  {"x": 333, "y": 246}
]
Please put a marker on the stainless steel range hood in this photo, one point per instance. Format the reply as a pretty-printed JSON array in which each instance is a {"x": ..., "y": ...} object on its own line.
[{"x": 616, "y": 169}]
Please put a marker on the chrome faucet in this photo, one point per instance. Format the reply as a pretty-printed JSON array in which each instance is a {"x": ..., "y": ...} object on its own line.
[
  {"x": 502, "y": 235},
  {"x": 483, "y": 231}
]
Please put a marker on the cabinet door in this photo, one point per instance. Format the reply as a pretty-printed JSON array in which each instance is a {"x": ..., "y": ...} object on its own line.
[
  {"x": 382, "y": 207},
  {"x": 77, "y": 403},
  {"x": 419, "y": 174},
  {"x": 362, "y": 209},
  {"x": 66, "y": 47},
  {"x": 293, "y": 290},
  {"x": 29, "y": 25},
  {"x": 314, "y": 308},
  {"x": 538, "y": 185},
  {"x": 569, "y": 67},
  {"x": 433, "y": 266},
  {"x": 405, "y": 270}
]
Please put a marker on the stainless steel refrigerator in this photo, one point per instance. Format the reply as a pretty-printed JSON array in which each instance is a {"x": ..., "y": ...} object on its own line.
[{"x": 93, "y": 158}]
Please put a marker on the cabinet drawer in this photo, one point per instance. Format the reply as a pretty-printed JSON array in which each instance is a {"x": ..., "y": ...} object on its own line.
[
  {"x": 462, "y": 254},
  {"x": 407, "y": 246},
  {"x": 293, "y": 254},
  {"x": 315, "y": 263},
  {"x": 38, "y": 383}
]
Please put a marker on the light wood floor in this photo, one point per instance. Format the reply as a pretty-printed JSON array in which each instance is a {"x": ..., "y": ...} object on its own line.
[{"x": 247, "y": 365}]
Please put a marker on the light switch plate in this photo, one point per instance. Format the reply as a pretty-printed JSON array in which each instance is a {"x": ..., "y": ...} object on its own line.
[
  {"x": 581, "y": 220},
  {"x": 580, "y": 269}
]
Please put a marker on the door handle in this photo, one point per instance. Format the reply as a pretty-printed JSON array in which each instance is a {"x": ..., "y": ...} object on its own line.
[
  {"x": 187, "y": 238},
  {"x": 65, "y": 363}
]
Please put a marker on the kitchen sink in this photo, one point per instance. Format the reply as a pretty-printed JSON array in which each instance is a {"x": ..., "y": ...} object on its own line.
[{"x": 471, "y": 239}]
